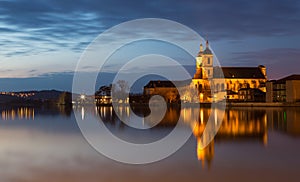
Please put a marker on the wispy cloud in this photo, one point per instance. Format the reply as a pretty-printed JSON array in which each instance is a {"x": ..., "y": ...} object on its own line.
[{"x": 54, "y": 24}]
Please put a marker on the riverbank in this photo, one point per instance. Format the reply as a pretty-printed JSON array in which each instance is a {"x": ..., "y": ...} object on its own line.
[{"x": 261, "y": 104}]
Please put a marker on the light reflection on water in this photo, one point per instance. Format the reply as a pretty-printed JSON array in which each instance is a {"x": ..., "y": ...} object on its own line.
[{"x": 45, "y": 144}]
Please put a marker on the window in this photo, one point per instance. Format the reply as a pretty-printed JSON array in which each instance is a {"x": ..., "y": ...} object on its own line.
[
  {"x": 217, "y": 87},
  {"x": 222, "y": 87},
  {"x": 208, "y": 60}
]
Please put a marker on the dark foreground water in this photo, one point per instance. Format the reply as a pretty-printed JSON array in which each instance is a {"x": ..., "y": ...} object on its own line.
[{"x": 253, "y": 144}]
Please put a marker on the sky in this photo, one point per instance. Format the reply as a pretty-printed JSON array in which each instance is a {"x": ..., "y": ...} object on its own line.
[{"x": 42, "y": 40}]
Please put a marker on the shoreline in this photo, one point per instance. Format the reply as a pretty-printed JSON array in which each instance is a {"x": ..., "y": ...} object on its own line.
[
  {"x": 228, "y": 104},
  {"x": 261, "y": 104}
]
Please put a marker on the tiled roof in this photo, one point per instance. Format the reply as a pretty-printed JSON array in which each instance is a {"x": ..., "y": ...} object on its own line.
[
  {"x": 207, "y": 51},
  {"x": 291, "y": 77},
  {"x": 238, "y": 72},
  {"x": 165, "y": 83}
]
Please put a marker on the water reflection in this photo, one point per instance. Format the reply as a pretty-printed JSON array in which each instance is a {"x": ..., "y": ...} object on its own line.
[
  {"x": 239, "y": 124},
  {"x": 29, "y": 112},
  {"x": 18, "y": 113},
  {"x": 44, "y": 143}
]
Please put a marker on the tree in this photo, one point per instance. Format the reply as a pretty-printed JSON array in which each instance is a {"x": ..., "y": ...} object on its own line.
[
  {"x": 121, "y": 91},
  {"x": 65, "y": 98},
  {"x": 189, "y": 94},
  {"x": 104, "y": 90}
]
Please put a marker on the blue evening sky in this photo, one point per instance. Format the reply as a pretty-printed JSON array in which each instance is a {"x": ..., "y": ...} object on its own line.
[{"x": 42, "y": 40}]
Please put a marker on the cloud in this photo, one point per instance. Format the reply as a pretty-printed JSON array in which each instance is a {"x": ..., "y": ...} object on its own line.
[{"x": 54, "y": 24}]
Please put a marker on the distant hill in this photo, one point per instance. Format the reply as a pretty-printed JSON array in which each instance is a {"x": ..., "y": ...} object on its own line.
[
  {"x": 9, "y": 99},
  {"x": 44, "y": 96}
]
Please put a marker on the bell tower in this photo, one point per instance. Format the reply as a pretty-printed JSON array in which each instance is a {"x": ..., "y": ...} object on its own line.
[
  {"x": 207, "y": 63},
  {"x": 198, "y": 74}
]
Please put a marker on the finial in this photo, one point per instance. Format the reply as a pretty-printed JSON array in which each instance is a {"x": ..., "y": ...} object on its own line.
[
  {"x": 207, "y": 44},
  {"x": 201, "y": 48}
]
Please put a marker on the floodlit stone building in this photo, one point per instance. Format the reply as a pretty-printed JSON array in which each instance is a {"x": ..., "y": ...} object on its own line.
[
  {"x": 213, "y": 83},
  {"x": 217, "y": 83}
]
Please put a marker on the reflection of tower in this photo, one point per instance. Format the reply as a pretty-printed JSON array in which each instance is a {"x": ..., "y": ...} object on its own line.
[
  {"x": 206, "y": 154},
  {"x": 237, "y": 124}
]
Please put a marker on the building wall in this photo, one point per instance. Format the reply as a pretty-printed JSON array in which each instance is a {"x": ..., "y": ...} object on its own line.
[
  {"x": 169, "y": 93},
  {"x": 293, "y": 91},
  {"x": 219, "y": 86},
  {"x": 235, "y": 84},
  {"x": 269, "y": 93}
]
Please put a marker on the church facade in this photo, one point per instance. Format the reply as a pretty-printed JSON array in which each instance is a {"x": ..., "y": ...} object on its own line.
[
  {"x": 215, "y": 83},
  {"x": 212, "y": 83}
]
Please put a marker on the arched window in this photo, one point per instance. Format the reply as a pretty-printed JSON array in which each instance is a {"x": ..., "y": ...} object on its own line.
[
  {"x": 208, "y": 60},
  {"x": 222, "y": 87},
  {"x": 217, "y": 87}
]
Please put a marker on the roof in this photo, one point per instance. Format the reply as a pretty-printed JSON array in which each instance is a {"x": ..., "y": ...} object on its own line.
[
  {"x": 207, "y": 51},
  {"x": 230, "y": 92},
  {"x": 165, "y": 83},
  {"x": 238, "y": 72},
  {"x": 255, "y": 90},
  {"x": 291, "y": 77}
]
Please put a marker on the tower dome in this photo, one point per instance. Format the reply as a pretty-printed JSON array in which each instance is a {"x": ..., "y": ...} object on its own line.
[{"x": 207, "y": 50}]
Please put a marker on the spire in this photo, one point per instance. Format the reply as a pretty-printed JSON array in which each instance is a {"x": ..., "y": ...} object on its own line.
[
  {"x": 201, "y": 48},
  {"x": 207, "y": 50}
]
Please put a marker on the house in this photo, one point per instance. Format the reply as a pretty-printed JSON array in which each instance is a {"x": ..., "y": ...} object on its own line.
[
  {"x": 286, "y": 89},
  {"x": 251, "y": 95}
]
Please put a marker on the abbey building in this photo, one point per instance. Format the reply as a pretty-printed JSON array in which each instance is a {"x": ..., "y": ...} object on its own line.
[
  {"x": 215, "y": 83},
  {"x": 212, "y": 83}
]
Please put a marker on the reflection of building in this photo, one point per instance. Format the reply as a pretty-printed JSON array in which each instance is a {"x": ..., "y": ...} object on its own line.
[
  {"x": 205, "y": 155},
  {"x": 237, "y": 124},
  {"x": 284, "y": 90},
  {"x": 285, "y": 120},
  {"x": 18, "y": 113}
]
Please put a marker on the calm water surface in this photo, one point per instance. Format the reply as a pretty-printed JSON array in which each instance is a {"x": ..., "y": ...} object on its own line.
[{"x": 253, "y": 144}]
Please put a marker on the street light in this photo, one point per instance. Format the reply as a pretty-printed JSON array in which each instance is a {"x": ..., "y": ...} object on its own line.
[{"x": 82, "y": 98}]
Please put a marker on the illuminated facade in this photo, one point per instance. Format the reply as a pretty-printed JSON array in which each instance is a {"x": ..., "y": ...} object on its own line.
[
  {"x": 218, "y": 83},
  {"x": 213, "y": 83}
]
